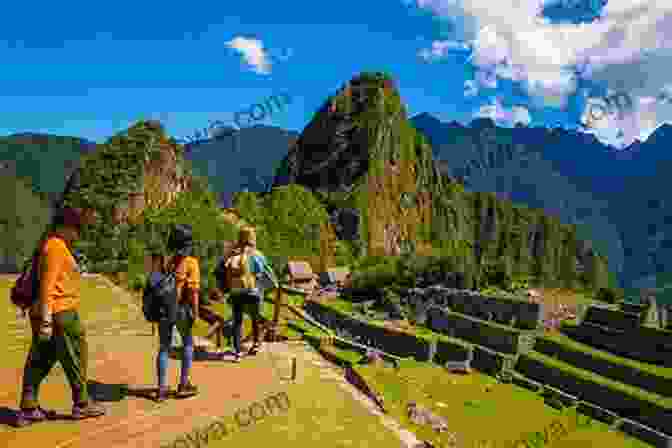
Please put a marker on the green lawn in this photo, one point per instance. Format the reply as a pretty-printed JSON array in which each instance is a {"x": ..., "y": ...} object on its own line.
[{"x": 503, "y": 413}]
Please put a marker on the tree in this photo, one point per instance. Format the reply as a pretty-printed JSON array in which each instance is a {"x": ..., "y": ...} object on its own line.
[{"x": 25, "y": 217}]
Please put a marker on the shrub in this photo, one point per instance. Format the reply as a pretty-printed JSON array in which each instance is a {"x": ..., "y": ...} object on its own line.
[
  {"x": 370, "y": 260},
  {"x": 378, "y": 276},
  {"x": 138, "y": 282},
  {"x": 609, "y": 295},
  {"x": 344, "y": 255}
]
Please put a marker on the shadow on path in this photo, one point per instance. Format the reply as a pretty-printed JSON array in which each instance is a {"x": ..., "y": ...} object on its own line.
[
  {"x": 117, "y": 392},
  {"x": 202, "y": 354},
  {"x": 8, "y": 417}
]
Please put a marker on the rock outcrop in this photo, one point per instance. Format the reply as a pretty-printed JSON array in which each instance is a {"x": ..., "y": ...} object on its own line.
[
  {"x": 360, "y": 151},
  {"x": 149, "y": 163}
]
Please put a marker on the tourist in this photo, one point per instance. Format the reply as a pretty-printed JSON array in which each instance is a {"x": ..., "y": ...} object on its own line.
[
  {"x": 187, "y": 283},
  {"x": 245, "y": 274},
  {"x": 57, "y": 332}
]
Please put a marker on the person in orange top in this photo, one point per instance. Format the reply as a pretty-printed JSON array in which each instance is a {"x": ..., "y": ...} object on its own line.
[
  {"x": 57, "y": 333},
  {"x": 188, "y": 284}
]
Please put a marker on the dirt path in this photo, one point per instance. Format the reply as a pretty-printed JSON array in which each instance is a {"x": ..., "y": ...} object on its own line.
[{"x": 121, "y": 368}]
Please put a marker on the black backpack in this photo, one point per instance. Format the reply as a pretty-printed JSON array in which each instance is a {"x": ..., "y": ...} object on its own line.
[{"x": 159, "y": 300}]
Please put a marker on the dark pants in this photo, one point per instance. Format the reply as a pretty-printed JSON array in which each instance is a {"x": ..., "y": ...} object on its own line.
[
  {"x": 250, "y": 304},
  {"x": 66, "y": 345},
  {"x": 184, "y": 324}
]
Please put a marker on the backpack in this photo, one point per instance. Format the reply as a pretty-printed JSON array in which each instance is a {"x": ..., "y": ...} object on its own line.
[
  {"x": 26, "y": 288},
  {"x": 159, "y": 300},
  {"x": 237, "y": 273},
  {"x": 25, "y": 291}
]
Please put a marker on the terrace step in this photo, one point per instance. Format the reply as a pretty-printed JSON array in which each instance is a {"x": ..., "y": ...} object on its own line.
[
  {"x": 566, "y": 399},
  {"x": 527, "y": 383},
  {"x": 642, "y": 432},
  {"x": 624, "y": 400},
  {"x": 458, "y": 366},
  {"x": 598, "y": 413},
  {"x": 601, "y": 362}
]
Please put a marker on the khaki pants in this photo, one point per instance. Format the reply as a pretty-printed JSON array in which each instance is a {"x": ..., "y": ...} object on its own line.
[{"x": 66, "y": 345}]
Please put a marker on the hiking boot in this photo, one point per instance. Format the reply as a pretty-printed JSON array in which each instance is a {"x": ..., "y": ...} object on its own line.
[
  {"x": 27, "y": 417},
  {"x": 254, "y": 349},
  {"x": 87, "y": 410},
  {"x": 162, "y": 394},
  {"x": 186, "y": 390}
]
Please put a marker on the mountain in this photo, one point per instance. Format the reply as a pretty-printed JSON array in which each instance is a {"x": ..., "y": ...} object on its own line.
[
  {"x": 23, "y": 217},
  {"x": 44, "y": 161},
  {"x": 573, "y": 176},
  {"x": 233, "y": 161},
  {"x": 236, "y": 160},
  {"x": 361, "y": 152}
]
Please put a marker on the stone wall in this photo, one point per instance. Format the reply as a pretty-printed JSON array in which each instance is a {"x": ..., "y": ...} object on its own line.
[
  {"x": 621, "y": 320},
  {"x": 448, "y": 351},
  {"x": 394, "y": 342},
  {"x": 476, "y": 331},
  {"x": 491, "y": 362},
  {"x": 524, "y": 315},
  {"x": 644, "y": 344},
  {"x": 619, "y": 372},
  {"x": 639, "y": 410},
  {"x": 648, "y": 435}
]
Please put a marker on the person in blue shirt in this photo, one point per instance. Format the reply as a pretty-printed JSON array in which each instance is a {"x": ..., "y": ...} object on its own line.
[{"x": 248, "y": 299}]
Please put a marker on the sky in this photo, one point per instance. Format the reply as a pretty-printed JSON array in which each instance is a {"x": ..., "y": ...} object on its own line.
[{"x": 81, "y": 69}]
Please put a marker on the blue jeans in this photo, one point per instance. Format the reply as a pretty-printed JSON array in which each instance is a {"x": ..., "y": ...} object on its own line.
[
  {"x": 184, "y": 324},
  {"x": 250, "y": 304}
]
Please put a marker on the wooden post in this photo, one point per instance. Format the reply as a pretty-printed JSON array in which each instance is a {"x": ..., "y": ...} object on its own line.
[{"x": 276, "y": 314}]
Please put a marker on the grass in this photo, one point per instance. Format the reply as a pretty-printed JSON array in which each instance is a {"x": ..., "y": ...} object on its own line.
[
  {"x": 392, "y": 389},
  {"x": 319, "y": 414},
  {"x": 569, "y": 343},
  {"x": 470, "y": 409},
  {"x": 328, "y": 415}
]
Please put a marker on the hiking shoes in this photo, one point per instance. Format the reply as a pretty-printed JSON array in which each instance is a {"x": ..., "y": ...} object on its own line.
[
  {"x": 162, "y": 394},
  {"x": 87, "y": 410},
  {"x": 254, "y": 349},
  {"x": 187, "y": 390},
  {"x": 27, "y": 417}
]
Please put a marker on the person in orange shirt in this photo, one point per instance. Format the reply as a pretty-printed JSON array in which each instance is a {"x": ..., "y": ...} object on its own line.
[
  {"x": 188, "y": 283},
  {"x": 57, "y": 332}
]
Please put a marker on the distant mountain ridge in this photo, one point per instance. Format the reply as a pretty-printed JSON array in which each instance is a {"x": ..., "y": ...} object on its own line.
[
  {"x": 241, "y": 159},
  {"x": 45, "y": 161},
  {"x": 574, "y": 176}
]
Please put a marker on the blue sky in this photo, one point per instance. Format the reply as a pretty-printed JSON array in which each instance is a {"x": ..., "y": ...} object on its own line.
[{"x": 88, "y": 70}]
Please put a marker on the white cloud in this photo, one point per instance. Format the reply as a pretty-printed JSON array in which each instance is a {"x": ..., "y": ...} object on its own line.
[
  {"x": 629, "y": 48},
  {"x": 253, "y": 52},
  {"x": 440, "y": 48},
  {"x": 521, "y": 115},
  {"x": 470, "y": 88},
  {"x": 506, "y": 117}
]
